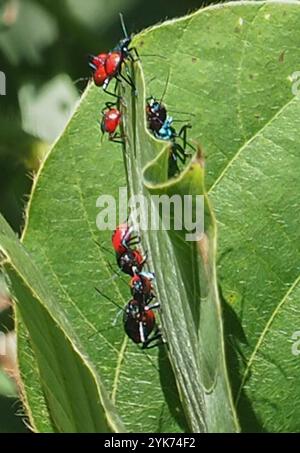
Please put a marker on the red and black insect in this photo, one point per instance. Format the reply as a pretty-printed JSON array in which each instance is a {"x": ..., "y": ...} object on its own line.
[
  {"x": 139, "y": 322},
  {"x": 156, "y": 111},
  {"x": 97, "y": 64},
  {"x": 111, "y": 120},
  {"x": 124, "y": 238},
  {"x": 156, "y": 114},
  {"x": 131, "y": 262},
  {"x": 108, "y": 66},
  {"x": 141, "y": 287}
]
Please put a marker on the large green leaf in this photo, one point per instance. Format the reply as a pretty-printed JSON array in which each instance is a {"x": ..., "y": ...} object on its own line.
[
  {"x": 186, "y": 277},
  {"x": 74, "y": 394},
  {"x": 247, "y": 121},
  {"x": 231, "y": 66},
  {"x": 61, "y": 234},
  {"x": 260, "y": 273}
]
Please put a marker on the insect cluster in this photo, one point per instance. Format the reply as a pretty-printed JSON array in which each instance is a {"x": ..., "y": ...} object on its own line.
[{"x": 139, "y": 318}]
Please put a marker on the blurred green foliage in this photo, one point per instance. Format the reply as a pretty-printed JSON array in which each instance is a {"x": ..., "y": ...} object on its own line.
[{"x": 43, "y": 51}]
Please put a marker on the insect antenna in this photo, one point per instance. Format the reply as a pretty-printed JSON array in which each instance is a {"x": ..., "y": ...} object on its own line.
[
  {"x": 153, "y": 55},
  {"x": 117, "y": 274},
  {"x": 166, "y": 87},
  {"x": 109, "y": 299},
  {"x": 123, "y": 25},
  {"x": 149, "y": 360},
  {"x": 110, "y": 265},
  {"x": 102, "y": 247},
  {"x": 183, "y": 113},
  {"x": 81, "y": 79}
]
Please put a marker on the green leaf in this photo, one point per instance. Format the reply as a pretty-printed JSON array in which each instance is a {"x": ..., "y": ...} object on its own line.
[
  {"x": 231, "y": 66},
  {"x": 259, "y": 231},
  {"x": 186, "y": 275},
  {"x": 75, "y": 396},
  {"x": 78, "y": 170},
  {"x": 237, "y": 80},
  {"x": 260, "y": 272}
]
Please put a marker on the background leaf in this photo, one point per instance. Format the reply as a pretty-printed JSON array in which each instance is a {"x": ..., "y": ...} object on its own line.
[
  {"x": 246, "y": 120},
  {"x": 26, "y": 43},
  {"x": 260, "y": 274},
  {"x": 54, "y": 103},
  {"x": 75, "y": 395}
]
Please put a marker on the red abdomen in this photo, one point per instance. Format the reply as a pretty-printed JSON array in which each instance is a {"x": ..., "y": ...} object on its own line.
[
  {"x": 147, "y": 285},
  {"x": 111, "y": 121},
  {"x": 149, "y": 320},
  {"x": 99, "y": 60},
  {"x": 112, "y": 63},
  {"x": 118, "y": 237},
  {"x": 132, "y": 318},
  {"x": 99, "y": 76}
]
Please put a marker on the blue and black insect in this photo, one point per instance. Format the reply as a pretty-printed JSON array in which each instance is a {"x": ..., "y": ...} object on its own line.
[{"x": 161, "y": 125}]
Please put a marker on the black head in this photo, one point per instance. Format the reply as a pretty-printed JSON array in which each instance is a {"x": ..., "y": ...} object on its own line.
[
  {"x": 128, "y": 263},
  {"x": 124, "y": 44},
  {"x": 137, "y": 287},
  {"x": 138, "y": 291},
  {"x": 132, "y": 309},
  {"x": 131, "y": 319}
]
